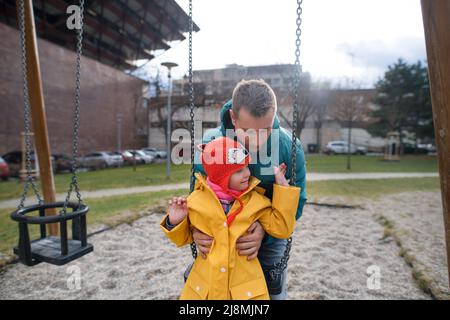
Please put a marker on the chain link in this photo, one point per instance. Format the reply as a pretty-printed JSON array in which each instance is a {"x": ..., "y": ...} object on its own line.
[
  {"x": 76, "y": 125},
  {"x": 191, "y": 95},
  {"x": 296, "y": 92},
  {"x": 191, "y": 105},
  {"x": 26, "y": 109},
  {"x": 279, "y": 267}
]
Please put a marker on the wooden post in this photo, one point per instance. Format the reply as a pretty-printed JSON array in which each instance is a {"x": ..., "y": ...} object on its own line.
[
  {"x": 436, "y": 22},
  {"x": 37, "y": 107}
]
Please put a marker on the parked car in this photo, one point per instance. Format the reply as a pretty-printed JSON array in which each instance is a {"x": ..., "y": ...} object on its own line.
[
  {"x": 62, "y": 163},
  {"x": 428, "y": 147},
  {"x": 142, "y": 156},
  {"x": 131, "y": 157},
  {"x": 341, "y": 147},
  {"x": 14, "y": 160},
  {"x": 128, "y": 158},
  {"x": 96, "y": 160},
  {"x": 421, "y": 148},
  {"x": 158, "y": 154},
  {"x": 116, "y": 159},
  {"x": 4, "y": 169}
]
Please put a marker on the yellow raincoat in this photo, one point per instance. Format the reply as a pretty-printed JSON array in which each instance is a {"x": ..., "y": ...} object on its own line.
[{"x": 224, "y": 274}]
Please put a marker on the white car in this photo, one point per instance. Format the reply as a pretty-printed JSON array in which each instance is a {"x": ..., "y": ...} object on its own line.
[
  {"x": 341, "y": 147},
  {"x": 96, "y": 160},
  {"x": 116, "y": 159},
  {"x": 141, "y": 155},
  {"x": 160, "y": 154}
]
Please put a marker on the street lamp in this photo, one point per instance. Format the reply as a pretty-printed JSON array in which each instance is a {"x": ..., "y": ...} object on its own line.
[
  {"x": 119, "y": 119},
  {"x": 169, "y": 66}
]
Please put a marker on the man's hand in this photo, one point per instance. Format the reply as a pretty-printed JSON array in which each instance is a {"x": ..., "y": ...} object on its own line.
[
  {"x": 202, "y": 241},
  {"x": 249, "y": 244}
]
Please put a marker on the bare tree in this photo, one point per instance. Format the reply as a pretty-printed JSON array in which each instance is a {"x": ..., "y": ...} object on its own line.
[
  {"x": 306, "y": 103},
  {"x": 350, "y": 107},
  {"x": 321, "y": 96},
  {"x": 160, "y": 103}
]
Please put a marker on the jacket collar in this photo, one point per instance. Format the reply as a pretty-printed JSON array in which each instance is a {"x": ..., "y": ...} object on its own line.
[{"x": 253, "y": 182}]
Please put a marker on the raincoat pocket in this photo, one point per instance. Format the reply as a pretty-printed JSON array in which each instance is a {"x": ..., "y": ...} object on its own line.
[
  {"x": 196, "y": 288},
  {"x": 255, "y": 289}
]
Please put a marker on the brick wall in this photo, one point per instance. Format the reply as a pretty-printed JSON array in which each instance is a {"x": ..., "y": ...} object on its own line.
[{"x": 105, "y": 92}]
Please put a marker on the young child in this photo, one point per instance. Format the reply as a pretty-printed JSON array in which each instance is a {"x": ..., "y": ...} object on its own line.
[{"x": 224, "y": 205}]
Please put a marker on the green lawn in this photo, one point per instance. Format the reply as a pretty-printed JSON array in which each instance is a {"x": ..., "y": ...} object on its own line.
[
  {"x": 154, "y": 174},
  {"x": 338, "y": 164}
]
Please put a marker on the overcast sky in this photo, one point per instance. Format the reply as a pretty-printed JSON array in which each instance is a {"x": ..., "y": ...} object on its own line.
[{"x": 260, "y": 32}]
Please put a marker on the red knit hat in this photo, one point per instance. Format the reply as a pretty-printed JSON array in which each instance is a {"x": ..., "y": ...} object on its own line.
[{"x": 221, "y": 158}]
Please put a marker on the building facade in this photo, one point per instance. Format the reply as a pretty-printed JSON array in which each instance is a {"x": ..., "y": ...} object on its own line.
[{"x": 214, "y": 87}]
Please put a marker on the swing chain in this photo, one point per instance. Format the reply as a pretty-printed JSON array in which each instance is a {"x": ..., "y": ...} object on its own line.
[
  {"x": 26, "y": 108},
  {"x": 30, "y": 179},
  {"x": 76, "y": 125},
  {"x": 191, "y": 104},
  {"x": 279, "y": 267},
  {"x": 191, "y": 96},
  {"x": 296, "y": 92}
]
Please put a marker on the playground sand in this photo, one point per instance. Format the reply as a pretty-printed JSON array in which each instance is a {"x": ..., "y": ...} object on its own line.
[{"x": 332, "y": 251}]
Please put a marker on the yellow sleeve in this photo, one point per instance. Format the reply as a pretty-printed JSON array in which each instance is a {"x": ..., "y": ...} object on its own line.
[
  {"x": 180, "y": 235},
  {"x": 279, "y": 221}
]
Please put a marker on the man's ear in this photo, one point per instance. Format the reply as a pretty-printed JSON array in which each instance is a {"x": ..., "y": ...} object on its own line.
[{"x": 233, "y": 117}]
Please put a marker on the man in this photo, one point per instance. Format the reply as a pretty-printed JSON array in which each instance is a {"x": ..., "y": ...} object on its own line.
[{"x": 251, "y": 118}]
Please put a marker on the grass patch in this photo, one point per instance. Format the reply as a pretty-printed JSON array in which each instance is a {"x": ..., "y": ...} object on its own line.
[
  {"x": 145, "y": 175},
  {"x": 338, "y": 164},
  {"x": 110, "y": 211}
]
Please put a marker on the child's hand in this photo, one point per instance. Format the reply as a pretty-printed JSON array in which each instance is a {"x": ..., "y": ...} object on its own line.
[
  {"x": 279, "y": 172},
  {"x": 177, "y": 210}
]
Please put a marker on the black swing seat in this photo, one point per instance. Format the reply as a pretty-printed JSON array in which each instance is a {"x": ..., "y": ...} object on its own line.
[{"x": 57, "y": 250}]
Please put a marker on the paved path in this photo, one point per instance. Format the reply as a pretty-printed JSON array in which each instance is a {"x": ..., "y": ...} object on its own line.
[{"x": 311, "y": 177}]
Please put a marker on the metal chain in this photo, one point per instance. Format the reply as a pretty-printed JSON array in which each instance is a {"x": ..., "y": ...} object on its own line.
[
  {"x": 76, "y": 125},
  {"x": 26, "y": 108},
  {"x": 296, "y": 92},
  {"x": 191, "y": 103},
  {"x": 191, "y": 95},
  {"x": 279, "y": 267}
]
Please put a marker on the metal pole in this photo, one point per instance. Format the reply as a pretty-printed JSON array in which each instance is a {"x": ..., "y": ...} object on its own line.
[
  {"x": 437, "y": 35},
  {"x": 169, "y": 125},
  {"x": 119, "y": 133},
  {"x": 147, "y": 106}
]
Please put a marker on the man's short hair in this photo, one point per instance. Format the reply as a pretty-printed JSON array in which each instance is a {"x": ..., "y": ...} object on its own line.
[{"x": 256, "y": 96}]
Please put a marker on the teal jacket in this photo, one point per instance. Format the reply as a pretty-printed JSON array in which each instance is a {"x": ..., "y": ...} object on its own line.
[{"x": 284, "y": 149}]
